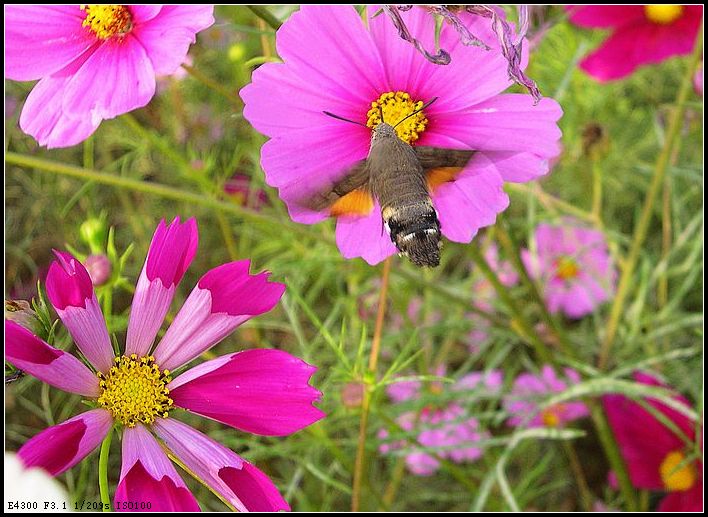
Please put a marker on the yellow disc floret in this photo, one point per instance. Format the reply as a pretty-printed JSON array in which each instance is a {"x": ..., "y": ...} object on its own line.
[
  {"x": 106, "y": 21},
  {"x": 135, "y": 390},
  {"x": 663, "y": 14},
  {"x": 677, "y": 474},
  {"x": 394, "y": 107},
  {"x": 551, "y": 416},
  {"x": 566, "y": 268}
]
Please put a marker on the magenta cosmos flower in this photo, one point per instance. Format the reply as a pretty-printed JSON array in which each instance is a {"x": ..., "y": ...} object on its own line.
[
  {"x": 94, "y": 62},
  {"x": 641, "y": 35},
  {"x": 448, "y": 431},
  {"x": 529, "y": 391},
  {"x": 333, "y": 62},
  {"x": 573, "y": 266},
  {"x": 657, "y": 457},
  {"x": 264, "y": 392}
]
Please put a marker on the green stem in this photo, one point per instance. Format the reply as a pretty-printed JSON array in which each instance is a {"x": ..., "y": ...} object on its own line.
[
  {"x": 519, "y": 322},
  {"x": 265, "y": 15},
  {"x": 212, "y": 84},
  {"x": 103, "y": 471},
  {"x": 155, "y": 189},
  {"x": 640, "y": 233}
]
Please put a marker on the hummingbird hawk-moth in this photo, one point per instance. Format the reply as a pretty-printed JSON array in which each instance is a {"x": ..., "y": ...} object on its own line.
[{"x": 396, "y": 174}]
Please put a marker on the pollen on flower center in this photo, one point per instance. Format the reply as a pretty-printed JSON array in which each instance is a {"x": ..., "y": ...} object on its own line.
[
  {"x": 566, "y": 268},
  {"x": 106, "y": 21},
  {"x": 551, "y": 416},
  {"x": 395, "y": 107},
  {"x": 135, "y": 390},
  {"x": 677, "y": 474},
  {"x": 663, "y": 14}
]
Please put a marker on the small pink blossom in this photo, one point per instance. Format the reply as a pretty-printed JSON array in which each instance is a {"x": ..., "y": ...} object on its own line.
[
  {"x": 259, "y": 391},
  {"x": 641, "y": 35},
  {"x": 530, "y": 390},
  {"x": 448, "y": 432},
  {"x": 93, "y": 62},
  {"x": 573, "y": 266}
]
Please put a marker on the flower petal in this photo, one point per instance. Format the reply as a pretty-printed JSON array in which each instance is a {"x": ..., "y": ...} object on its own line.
[
  {"x": 116, "y": 79},
  {"x": 471, "y": 201},
  {"x": 258, "y": 391},
  {"x": 43, "y": 39},
  {"x": 70, "y": 291},
  {"x": 27, "y": 352},
  {"x": 216, "y": 465},
  {"x": 223, "y": 299},
  {"x": 170, "y": 253},
  {"x": 147, "y": 476},
  {"x": 684, "y": 501},
  {"x": 605, "y": 16},
  {"x": 62, "y": 446},
  {"x": 167, "y": 36},
  {"x": 43, "y": 119},
  {"x": 364, "y": 236}
]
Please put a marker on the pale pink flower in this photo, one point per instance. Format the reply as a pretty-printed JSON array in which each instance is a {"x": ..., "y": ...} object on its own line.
[
  {"x": 94, "y": 62},
  {"x": 529, "y": 392}
]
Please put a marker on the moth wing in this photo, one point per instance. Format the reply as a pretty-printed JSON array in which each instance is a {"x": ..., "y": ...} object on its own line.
[
  {"x": 356, "y": 179},
  {"x": 441, "y": 165},
  {"x": 433, "y": 157}
]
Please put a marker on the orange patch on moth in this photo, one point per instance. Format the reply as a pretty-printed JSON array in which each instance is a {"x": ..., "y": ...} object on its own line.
[
  {"x": 440, "y": 175},
  {"x": 357, "y": 202}
]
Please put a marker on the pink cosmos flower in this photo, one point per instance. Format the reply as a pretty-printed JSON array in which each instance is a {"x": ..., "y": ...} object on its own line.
[
  {"x": 94, "y": 62},
  {"x": 641, "y": 35},
  {"x": 449, "y": 431},
  {"x": 530, "y": 390},
  {"x": 309, "y": 151},
  {"x": 573, "y": 266},
  {"x": 260, "y": 391},
  {"x": 656, "y": 456}
]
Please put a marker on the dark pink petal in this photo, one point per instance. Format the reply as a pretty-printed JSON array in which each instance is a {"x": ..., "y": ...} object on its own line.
[
  {"x": 42, "y": 116},
  {"x": 641, "y": 44},
  {"x": 147, "y": 476},
  {"x": 254, "y": 489},
  {"x": 171, "y": 252},
  {"x": 117, "y": 78},
  {"x": 68, "y": 282},
  {"x": 605, "y": 16},
  {"x": 258, "y": 391},
  {"x": 168, "y": 35},
  {"x": 215, "y": 465},
  {"x": 27, "y": 352},
  {"x": 43, "y": 39},
  {"x": 364, "y": 236},
  {"x": 70, "y": 291},
  {"x": 62, "y": 446},
  {"x": 223, "y": 299},
  {"x": 685, "y": 501}
]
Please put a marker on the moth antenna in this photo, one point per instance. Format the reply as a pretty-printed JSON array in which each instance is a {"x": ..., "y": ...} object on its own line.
[
  {"x": 418, "y": 110},
  {"x": 381, "y": 114},
  {"x": 344, "y": 119}
]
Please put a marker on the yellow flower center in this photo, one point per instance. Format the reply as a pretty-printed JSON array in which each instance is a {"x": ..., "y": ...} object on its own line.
[
  {"x": 663, "y": 14},
  {"x": 566, "y": 268},
  {"x": 106, "y": 21},
  {"x": 677, "y": 474},
  {"x": 135, "y": 390},
  {"x": 394, "y": 107},
  {"x": 551, "y": 416}
]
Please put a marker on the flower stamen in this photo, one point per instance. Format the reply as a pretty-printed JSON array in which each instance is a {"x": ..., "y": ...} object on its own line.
[
  {"x": 566, "y": 268},
  {"x": 677, "y": 474},
  {"x": 663, "y": 14},
  {"x": 394, "y": 107},
  {"x": 135, "y": 390},
  {"x": 106, "y": 21}
]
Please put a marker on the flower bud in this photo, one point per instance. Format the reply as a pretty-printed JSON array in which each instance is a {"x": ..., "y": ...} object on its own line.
[{"x": 99, "y": 269}]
